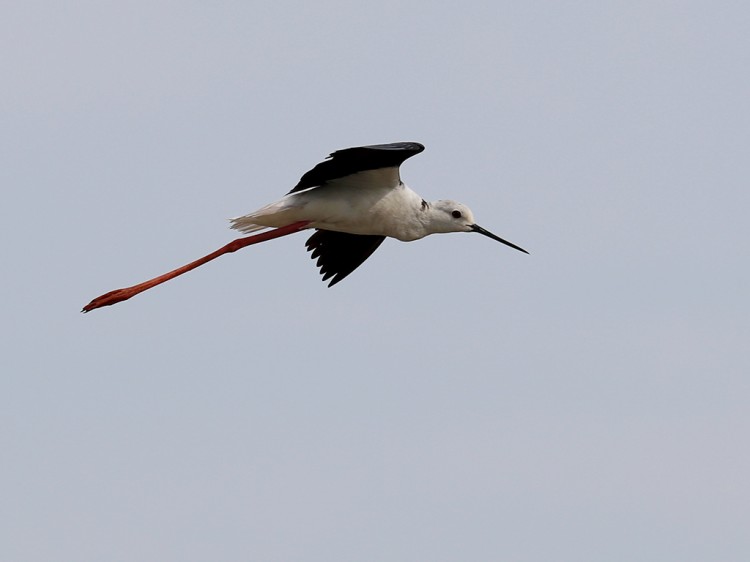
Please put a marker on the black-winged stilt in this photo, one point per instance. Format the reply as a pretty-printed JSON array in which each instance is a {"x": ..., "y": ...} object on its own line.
[{"x": 354, "y": 200}]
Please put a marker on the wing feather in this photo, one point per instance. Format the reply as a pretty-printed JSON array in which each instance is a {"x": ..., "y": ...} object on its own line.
[
  {"x": 340, "y": 253},
  {"x": 358, "y": 159}
]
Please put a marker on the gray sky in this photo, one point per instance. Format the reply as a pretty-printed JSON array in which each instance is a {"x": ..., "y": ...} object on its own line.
[{"x": 452, "y": 399}]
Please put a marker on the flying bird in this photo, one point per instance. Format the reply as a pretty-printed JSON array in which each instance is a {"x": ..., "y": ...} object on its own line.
[{"x": 354, "y": 200}]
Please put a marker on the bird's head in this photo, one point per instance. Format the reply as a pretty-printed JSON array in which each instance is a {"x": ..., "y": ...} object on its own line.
[{"x": 451, "y": 216}]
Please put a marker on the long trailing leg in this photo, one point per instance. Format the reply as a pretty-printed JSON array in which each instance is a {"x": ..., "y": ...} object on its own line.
[{"x": 119, "y": 295}]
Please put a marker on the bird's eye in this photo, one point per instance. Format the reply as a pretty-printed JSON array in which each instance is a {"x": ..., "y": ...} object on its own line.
[{"x": 456, "y": 214}]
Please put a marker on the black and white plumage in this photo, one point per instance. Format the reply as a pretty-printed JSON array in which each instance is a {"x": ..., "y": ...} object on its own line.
[
  {"x": 340, "y": 253},
  {"x": 354, "y": 200}
]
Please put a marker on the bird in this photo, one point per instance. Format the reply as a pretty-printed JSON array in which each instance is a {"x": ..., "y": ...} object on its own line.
[{"x": 354, "y": 200}]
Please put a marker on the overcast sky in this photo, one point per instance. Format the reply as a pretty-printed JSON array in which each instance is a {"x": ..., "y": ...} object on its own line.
[{"x": 451, "y": 400}]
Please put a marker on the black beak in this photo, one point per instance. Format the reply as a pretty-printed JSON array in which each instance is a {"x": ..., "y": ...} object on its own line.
[{"x": 480, "y": 230}]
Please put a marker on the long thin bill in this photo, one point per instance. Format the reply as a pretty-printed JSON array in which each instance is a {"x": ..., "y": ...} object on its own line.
[{"x": 480, "y": 230}]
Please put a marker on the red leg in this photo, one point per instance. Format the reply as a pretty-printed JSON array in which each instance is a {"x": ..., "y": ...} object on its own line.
[{"x": 118, "y": 295}]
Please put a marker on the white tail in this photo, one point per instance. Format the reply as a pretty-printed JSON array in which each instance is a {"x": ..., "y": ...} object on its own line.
[{"x": 245, "y": 224}]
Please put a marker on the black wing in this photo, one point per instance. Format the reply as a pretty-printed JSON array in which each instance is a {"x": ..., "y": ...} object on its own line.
[
  {"x": 340, "y": 253},
  {"x": 358, "y": 159}
]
